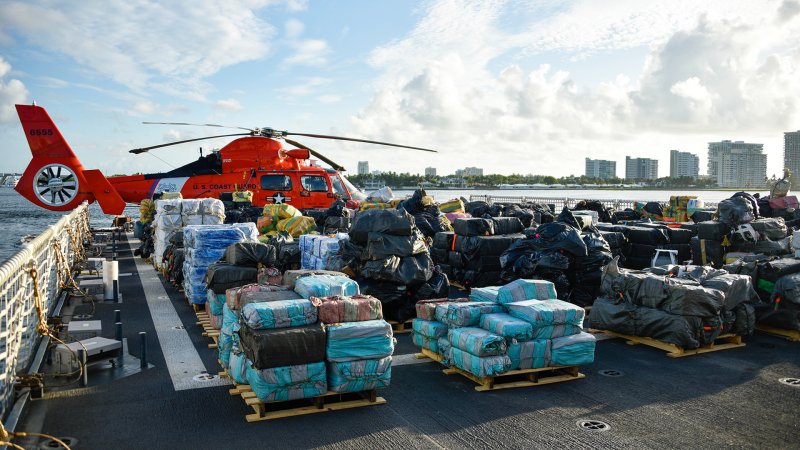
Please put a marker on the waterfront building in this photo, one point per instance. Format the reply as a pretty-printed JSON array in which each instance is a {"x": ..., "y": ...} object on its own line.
[
  {"x": 683, "y": 164},
  {"x": 473, "y": 172},
  {"x": 641, "y": 168},
  {"x": 737, "y": 164},
  {"x": 791, "y": 152},
  {"x": 363, "y": 167},
  {"x": 430, "y": 171},
  {"x": 600, "y": 168}
]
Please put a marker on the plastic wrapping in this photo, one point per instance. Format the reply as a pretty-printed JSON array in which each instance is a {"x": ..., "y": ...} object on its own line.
[
  {"x": 540, "y": 313},
  {"x": 279, "y": 314},
  {"x": 215, "y": 302},
  {"x": 574, "y": 350},
  {"x": 422, "y": 341},
  {"x": 519, "y": 290},
  {"x": 735, "y": 211},
  {"x": 202, "y": 211},
  {"x": 223, "y": 276},
  {"x": 280, "y": 347},
  {"x": 484, "y": 294},
  {"x": 507, "y": 326},
  {"x": 347, "y": 309},
  {"x": 473, "y": 227},
  {"x": 253, "y": 293},
  {"x": 319, "y": 252},
  {"x": 477, "y": 341},
  {"x": 237, "y": 368},
  {"x": 533, "y": 354},
  {"x": 389, "y": 221},
  {"x": 281, "y": 211},
  {"x": 361, "y": 375},
  {"x": 464, "y": 314},
  {"x": 479, "y": 366},
  {"x": 429, "y": 328},
  {"x": 382, "y": 245},
  {"x": 228, "y": 339},
  {"x": 288, "y": 383},
  {"x": 426, "y": 309},
  {"x": 290, "y": 276},
  {"x": 325, "y": 286},
  {"x": 507, "y": 225},
  {"x": 371, "y": 339},
  {"x": 250, "y": 254},
  {"x": 297, "y": 226}
]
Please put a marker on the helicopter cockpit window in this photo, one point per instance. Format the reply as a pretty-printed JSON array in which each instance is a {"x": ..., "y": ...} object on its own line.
[
  {"x": 314, "y": 184},
  {"x": 276, "y": 182},
  {"x": 338, "y": 187}
]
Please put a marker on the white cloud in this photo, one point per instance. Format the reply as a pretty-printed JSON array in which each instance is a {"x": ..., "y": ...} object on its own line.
[
  {"x": 172, "y": 135},
  {"x": 329, "y": 98},
  {"x": 307, "y": 85},
  {"x": 308, "y": 52},
  {"x": 228, "y": 105},
  {"x": 294, "y": 28},
  {"x": 144, "y": 43},
  {"x": 145, "y": 108},
  {"x": 12, "y": 92}
]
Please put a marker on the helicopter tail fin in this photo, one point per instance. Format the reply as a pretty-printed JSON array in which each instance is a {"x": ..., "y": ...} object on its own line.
[{"x": 55, "y": 178}]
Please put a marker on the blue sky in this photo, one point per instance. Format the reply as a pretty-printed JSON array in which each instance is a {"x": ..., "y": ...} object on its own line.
[{"x": 510, "y": 86}]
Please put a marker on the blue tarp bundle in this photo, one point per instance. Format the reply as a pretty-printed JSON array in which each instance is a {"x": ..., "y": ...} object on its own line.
[
  {"x": 325, "y": 286},
  {"x": 361, "y": 375},
  {"x": 420, "y": 340},
  {"x": 573, "y": 350},
  {"x": 529, "y": 354},
  {"x": 216, "y": 301},
  {"x": 288, "y": 383},
  {"x": 228, "y": 338},
  {"x": 554, "y": 331},
  {"x": 237, "y": 368},
  {"x": 444, "y": 350},
  {"x": 484, "y": 294},
  {"x": 429, "y": 328},
  {"x": 507, "y": 326},
  {"x": 279, "y": 314},
  {"x": 466, "y": 314},
  {"x": 481, "y": 367},
  {"x": 349, "y": 341},
  {"x": 477, "y": 341},
  {"x": 519, "y": 290},
  {"x": 541, "y": 313}
]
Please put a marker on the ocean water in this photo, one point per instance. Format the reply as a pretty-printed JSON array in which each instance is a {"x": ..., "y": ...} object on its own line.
[{"x": 19, "y": 217}]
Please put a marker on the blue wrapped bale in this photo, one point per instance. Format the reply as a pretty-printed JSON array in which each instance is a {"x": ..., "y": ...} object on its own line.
[
  {"x": 444, "y": 350},
  {"x": 237, "y": 368},
  {"x": 519, "y": 290},
  {"x": 429, "y": 328},
  {"x": 484, "y": 294},
  {"x": 361, "y": 375},
  {"x": 507, "y": 326},
  {"x": 215, "y": 301},
  {"x": 427, "y": 342},
  {"x": 487, "y": 366},
  {"x": 228, "y": 339},
  {"x": 533, "y": 354},
  {"x": 554, "y": 331},
  {"x": 279, "y": 314},
  {"x": 477, "y": 341},
  {"x": 350, "y": 341},
  {"x": 466, "y": 314},
  {"x": 288, "y": 383},
  {"x": 542, "y": 313},
  {"x": 574, "y": 350},
  {"x": 325, "y": 286}
]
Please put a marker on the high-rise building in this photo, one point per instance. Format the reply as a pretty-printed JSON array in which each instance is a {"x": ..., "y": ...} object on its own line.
[
  {"x": 791, "y": 152},
  {"x": 600, "y": 168},
  {"x": 737, "y": 164},
  {"x": 363, "y": 167},
  {"x": 641, "y": 168},
  {"x": 683, "y": 164},
  {"x": 430, "y": 171},
  {"x": 472, "y": 172}
]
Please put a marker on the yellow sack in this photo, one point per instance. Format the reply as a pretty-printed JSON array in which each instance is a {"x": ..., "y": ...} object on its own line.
[
  {"x": 297, "y": 226},
  {"x": 375, "y": 205},
  {"x": 396, "y": 201},
  {"x": 243, "y": 197},
  {"x": 281, "y": 211},
  {"x": 147, "y": 210},
  {"x": 265, "y": 224},
  {"x": 452, "y": 206}
]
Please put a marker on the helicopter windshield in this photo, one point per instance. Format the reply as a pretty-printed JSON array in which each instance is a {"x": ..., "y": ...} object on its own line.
[{"x": 355, "y": 193}]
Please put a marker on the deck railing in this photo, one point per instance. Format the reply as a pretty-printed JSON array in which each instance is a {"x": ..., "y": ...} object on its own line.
[
  {"x": 560, "y": 202},
  {"x": 18, "y": 319}
]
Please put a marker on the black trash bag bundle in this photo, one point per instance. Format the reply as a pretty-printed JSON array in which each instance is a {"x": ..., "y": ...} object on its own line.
[
  {"x": 494, "y": 210},
  {"x": 430, "y": 224},
  {"x": 556, "y": 236},
  {"x": 654, "y": 208},
  {"x": 691, "y": 299},
  {"x": 713, "y": 230},
  {"x": 615, "y": 239},
  {"x": 338, "y": 209},
  {"x": 647, "y": 235},
  {"x": 783, "y": 309},
  {"x": 507, "y": 225},
  {"x": 679, "y": 235},
  {"x": 516, "y": 250},
  {"x": 774, "y": 269},
  {"x": 702, "y": 216},
  {"x": 624, "y": 216},
  {"x": 318, "y": 214},
  {"x": 475, "y": 246},
  {"x": 396, "y": 301},
  {"x": 439, "y": 256},
  {"x": 764, "y": 208},
  {"x": 707, "y": 252},
  {"x": 475, "y": 278},
  {"x": 411, "y": 271},
  {"x": 232, "y": 215},
  {"x": 582, "y": 295},
  {"x": 390, "y": 221},
  {"x": 772, "y": 228},
  {"x": 176, "y": 265},
  {"x": 568, "y": 218},
  {"x": 525, "y": 216},
  {"x": 288, "y": 256},
  {"x": 438, "y": 286},
  {"x": 333, "y": 225},
  {"x": 382, "y": 245},
  {"x": 444, "y": 240},
  {"x": 542, "y": 214},
  {"x": 222, "y": 276},
  {"x": 455, "y": 259},
  {"x": 735, "y": 211},
  {"x": 280, "y": 347},
  {"x": 476, "y": 208},
  {"x": 414, "y": 204},
  {"x": 750, "y": 199},
  {"x": 766, "y": 246},
  {"x": 473, "y": 227},
  {"x": 744, "y": 320},
  {"x": 252, "y": 254}
]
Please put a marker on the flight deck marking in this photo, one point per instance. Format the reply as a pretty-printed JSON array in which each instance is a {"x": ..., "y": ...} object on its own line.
[
  {"x": 410, "y": 358},
  {"x": 183, "y": 361}
]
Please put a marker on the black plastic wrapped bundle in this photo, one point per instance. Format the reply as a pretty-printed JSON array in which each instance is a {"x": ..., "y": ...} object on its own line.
[
  {"x": 282, "y": 347},
  {"x": 473, "y": 227}
]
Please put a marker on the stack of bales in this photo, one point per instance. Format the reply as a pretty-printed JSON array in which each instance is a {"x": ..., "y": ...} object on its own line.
[
  {"x": 678, "y": 209},
  {"x": 517, "y": 326},
  {"x": 318, "y": 252},
  {"x": 643, "y": 240},
  {"x": 284, "y": 218},
  {"x": 203, "y": 246},
  {"x": 174, "y": 214},
  {"x": 718, "y": 242}
]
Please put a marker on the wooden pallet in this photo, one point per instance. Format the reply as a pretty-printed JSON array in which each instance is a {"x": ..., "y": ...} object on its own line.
[
  {"x": 425, "y": 353},
  {"x": 520, "y": 378},
  {"x": 208, "y": 330},
  {"x": 792, "y": 335},
  {"x": 675, "y": 351},
  {"x": 400, "y": 328}
]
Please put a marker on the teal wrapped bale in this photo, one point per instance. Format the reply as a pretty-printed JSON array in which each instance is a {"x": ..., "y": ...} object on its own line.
[
  {"x": 542, "y": 313},
  {"x": 487, "y": 366},
  {"x": 215, "y": 301},
  {"x": 422, "y": 341},
  {"x": 520, "y": 290},
  {"x": 288, "y": 383},
  {"x": 279, "y": 314},
  {"x": 237, "y": 368},
  {"x": 466, "y": 314},
  {"x": 228, "y": 338},
  {"x": 484, "y": 294},
  {"x": 361, "y": 375},
  {"x": 444, "y": 350},
  {"x": 555, "y": 331},
  {"x": 426, "y": 309},
  {"x": 229, "y": 316},
  {"x": 350, "y": 341},
  {"x": 533, "y": 354},
  {"x": 429, "y": 328},
  {"x": 477, "y": 341},
  {"x": 507, "y": 326},
  {"x": 325, "y": 286},
  {"x": 574, "y": 350}
]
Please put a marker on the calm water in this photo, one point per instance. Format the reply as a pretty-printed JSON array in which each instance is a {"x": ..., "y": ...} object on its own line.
[{"x": 18, "y": 217}]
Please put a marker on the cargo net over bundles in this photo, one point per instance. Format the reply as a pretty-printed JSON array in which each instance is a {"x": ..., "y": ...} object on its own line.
[
  {"x": 499, "y": 329},
  {"x": 388, "y": 256},
  {"x": 688, "y": 306},
  {"x": 286, "y": 347},
  {"x": 173, "y": 215},
  {"x": 205, "y": 245}
]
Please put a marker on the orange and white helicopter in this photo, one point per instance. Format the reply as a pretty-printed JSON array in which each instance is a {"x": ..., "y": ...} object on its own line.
[{"x": 256, "y": 161}]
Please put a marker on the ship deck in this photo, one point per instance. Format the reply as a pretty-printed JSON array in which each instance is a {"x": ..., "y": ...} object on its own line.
[{"x": 728, "y": 398}]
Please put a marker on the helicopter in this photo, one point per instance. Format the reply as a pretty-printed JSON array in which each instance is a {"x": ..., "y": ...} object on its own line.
[{"x": 256, "y": 161}]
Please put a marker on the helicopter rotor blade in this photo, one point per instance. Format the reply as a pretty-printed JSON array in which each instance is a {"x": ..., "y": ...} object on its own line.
[
  {"x": 340, "y": 138},
  {"x": 137, "y": 151},
  {"x": 200, "y": 125},
  {"x": 321, "y": 157}
]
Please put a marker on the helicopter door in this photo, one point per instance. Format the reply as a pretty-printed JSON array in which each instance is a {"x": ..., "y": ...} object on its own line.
[
  {"x": 316, "y": 192},
  {"x": 277, "y": 188}
]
